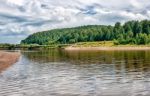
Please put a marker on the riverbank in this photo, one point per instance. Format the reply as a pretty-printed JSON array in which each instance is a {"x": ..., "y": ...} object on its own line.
[
  {"x": 105, "y": 45},
  {"x": 7, "y": 59},
  {"x": 98, "y": 45}
]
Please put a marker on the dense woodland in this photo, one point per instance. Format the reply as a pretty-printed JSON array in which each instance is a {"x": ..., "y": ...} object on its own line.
[{"x": 131, "y": 32}]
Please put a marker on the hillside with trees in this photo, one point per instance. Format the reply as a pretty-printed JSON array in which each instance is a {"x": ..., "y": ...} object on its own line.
[{"x": 131, "y": 32}]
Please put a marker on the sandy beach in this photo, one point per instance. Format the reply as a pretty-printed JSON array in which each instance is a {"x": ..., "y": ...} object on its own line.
[
  {"x": 107, "y": 48},
  {"x": 7, "y": 59}
]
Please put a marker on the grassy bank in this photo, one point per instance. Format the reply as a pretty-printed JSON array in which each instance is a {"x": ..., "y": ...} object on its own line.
[
  {"x": 77, "y": 46},
  {"x": 30, "y": 46},
  {"x": 94, "y": 44},
  {"x": 105, "y": 45}
]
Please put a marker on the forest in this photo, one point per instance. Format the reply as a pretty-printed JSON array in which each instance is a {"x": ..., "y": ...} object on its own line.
[{"x": 131, "y": 32}]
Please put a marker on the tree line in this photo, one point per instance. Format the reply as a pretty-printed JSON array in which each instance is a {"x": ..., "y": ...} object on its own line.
[{"x": 131, "y": 32}]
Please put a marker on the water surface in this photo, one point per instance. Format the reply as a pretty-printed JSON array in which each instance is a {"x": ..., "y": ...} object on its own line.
[{"x": 78, "y": 73}]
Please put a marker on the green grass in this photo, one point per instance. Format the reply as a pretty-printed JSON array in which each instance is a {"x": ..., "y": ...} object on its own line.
[{"x": 94, "y": 44}]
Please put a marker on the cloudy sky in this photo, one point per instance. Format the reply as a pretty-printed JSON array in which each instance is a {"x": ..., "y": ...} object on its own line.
[{"x": 20, "y": 18}]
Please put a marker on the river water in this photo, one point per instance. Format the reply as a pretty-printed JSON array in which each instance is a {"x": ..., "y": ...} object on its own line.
[{"x": 78, "y": 73}]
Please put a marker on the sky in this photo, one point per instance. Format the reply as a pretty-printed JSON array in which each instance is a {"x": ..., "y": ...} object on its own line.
[{"x": 20, "y": 18}]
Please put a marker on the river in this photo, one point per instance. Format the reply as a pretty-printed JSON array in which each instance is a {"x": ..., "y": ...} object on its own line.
[{"x": 78, "y": 73}]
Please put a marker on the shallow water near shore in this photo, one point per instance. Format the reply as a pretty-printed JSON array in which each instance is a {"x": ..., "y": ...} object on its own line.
[{"x": 78, "y": 73}]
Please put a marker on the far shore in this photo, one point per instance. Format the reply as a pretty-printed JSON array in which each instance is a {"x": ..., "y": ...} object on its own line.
[
  {"x": 105, "y": 48},
  {"x": 7, "y": 59}
]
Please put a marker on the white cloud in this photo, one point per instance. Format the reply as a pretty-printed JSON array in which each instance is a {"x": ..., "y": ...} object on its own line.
[
  {"x": 16, "y": 2},
  {"x": 135, "y": 3},
  {"x": 23, "y": 17}
]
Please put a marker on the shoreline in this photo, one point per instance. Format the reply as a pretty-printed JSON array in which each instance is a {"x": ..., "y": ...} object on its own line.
[
  {"x": 7, "y": 59},
  {"x": 121, "y": 48}
]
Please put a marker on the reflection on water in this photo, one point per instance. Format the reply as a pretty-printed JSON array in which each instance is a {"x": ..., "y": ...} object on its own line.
[{"x": 79, "y": 73}]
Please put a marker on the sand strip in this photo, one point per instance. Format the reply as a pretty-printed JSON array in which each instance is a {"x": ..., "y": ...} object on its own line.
[
  {"x": 106, "y": 48},
  {"x": 7, "y": 59}
]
